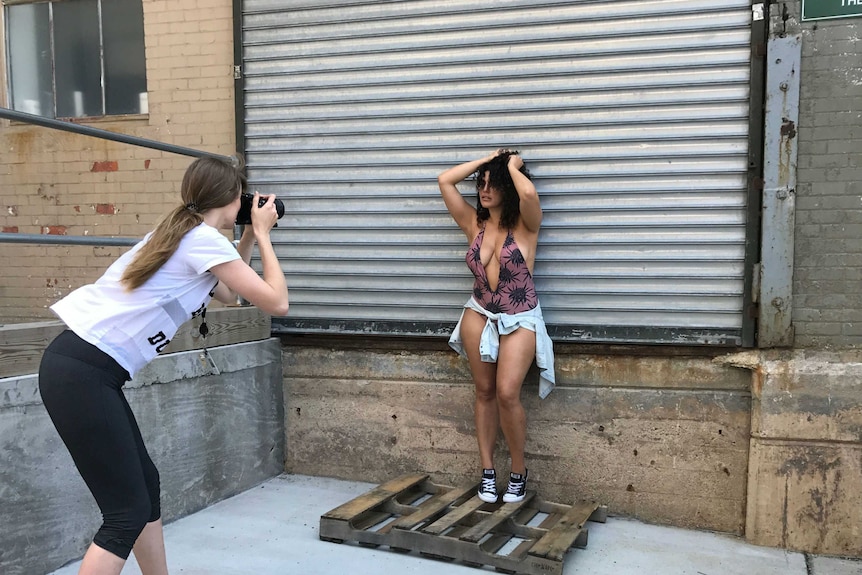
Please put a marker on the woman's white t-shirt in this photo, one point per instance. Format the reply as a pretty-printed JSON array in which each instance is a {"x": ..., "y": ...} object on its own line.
[{"x": 134, "y": 326}]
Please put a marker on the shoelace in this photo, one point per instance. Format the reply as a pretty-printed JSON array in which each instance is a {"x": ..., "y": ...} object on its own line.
[
  {"x": 515, "y": 487},
  {"x": 489, "y": 484}
]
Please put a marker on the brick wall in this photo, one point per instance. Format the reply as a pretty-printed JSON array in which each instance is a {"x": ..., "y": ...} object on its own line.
[
  {"x": 827, "y": 283},
  {"x": 61, "y": 183}
]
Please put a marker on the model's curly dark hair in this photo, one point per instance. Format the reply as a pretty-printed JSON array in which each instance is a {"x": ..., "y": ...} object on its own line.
[{"x": 500, "y": 179}]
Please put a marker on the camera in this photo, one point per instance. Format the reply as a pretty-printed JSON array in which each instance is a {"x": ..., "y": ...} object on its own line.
[{"x": 243, "y": 216}]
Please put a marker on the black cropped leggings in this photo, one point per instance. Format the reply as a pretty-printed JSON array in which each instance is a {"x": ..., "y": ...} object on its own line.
[{"x": 81, "y": 388}]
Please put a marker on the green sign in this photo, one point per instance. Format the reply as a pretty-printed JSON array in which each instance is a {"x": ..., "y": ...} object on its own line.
[{"x": 823, "y": 9}]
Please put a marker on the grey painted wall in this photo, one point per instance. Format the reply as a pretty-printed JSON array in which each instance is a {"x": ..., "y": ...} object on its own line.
[
  {"x": 827, "y": 300},
  {"x": 210, "y": 437}
]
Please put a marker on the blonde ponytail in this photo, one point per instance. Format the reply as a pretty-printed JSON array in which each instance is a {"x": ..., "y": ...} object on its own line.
[{"x": 160, "y": 247}]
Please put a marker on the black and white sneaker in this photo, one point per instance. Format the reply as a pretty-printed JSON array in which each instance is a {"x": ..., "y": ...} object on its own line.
[
  {"x": 517, "y": 488},
  {"x": 488, "y": 488}
]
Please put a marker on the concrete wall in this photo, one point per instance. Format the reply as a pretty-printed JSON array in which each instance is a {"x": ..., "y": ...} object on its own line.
[
  {"x": 210, "y": 437},
  {"x": 60, "y": 183},
  {"x": 805, "y": 476},
  {"x": 663, "y": 439}
]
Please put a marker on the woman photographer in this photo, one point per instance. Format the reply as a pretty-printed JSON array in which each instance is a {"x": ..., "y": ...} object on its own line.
[
  {"x": 501, "y": 328},
  {"x": 121, "y": 322}
]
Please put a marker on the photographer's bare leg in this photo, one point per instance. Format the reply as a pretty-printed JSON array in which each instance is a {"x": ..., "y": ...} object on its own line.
[
  {"x": 149, "y": 550},
  {"x": 98, "y": 561}
]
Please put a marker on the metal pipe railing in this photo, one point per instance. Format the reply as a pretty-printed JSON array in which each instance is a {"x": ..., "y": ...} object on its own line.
[
  {"x": 16, "y": 238},
  {"x": 107, "y": 135}
]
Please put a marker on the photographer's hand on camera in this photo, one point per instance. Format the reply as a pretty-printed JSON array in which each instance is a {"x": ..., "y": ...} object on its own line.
[
  {"x": 264, "y": 217},
  {"x": 271, "y": 294}
]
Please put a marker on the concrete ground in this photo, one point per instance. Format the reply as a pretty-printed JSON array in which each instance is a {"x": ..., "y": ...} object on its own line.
[{"x": 273, "y": 528}]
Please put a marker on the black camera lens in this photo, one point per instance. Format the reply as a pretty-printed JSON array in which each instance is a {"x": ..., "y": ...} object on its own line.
[{"x": 243, "y": 216}]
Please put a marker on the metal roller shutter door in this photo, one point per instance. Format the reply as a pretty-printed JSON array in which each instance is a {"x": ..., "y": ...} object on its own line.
[{"x": 633, "y": 117}]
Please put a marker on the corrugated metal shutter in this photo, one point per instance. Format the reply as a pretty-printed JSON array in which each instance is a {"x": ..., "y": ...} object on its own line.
[{"x": 633, "y": 117}]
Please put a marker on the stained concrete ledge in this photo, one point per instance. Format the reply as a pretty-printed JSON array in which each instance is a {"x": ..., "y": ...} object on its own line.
[
  {"x": 210, "y": 436},
  {"x": 805, "y": 470}
]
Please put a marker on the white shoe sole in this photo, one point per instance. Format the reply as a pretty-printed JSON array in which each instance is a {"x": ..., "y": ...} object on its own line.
[{"x": 487, "y": 498}]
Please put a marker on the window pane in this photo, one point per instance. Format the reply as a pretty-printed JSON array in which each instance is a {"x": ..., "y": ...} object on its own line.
[
  {"x": 30, "y": 59},
  {"x": 78, "y": 62},
  {"x": 125, "y": 65}
]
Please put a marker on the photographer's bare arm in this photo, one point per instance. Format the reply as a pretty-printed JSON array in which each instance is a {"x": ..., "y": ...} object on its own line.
[{"x": 268, "y": 293}]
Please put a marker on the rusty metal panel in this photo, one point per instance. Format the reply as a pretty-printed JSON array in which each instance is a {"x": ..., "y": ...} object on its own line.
[
  {"x": 779, "y": 191},
  {"x": 633, "y": 117}
]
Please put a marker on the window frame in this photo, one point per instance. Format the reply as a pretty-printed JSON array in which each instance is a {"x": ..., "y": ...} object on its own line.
[{"x": 6, "y": 75}]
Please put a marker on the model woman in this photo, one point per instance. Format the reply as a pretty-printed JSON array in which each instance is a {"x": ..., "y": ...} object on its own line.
[
  {"x": 501, "y": 329},
  {"x": 121, "y": 322}
]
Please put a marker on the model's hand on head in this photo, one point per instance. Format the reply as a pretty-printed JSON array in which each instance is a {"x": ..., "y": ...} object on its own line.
[
  {"x": 263, "y": 218},
  {"x": 515, "y": 161}
]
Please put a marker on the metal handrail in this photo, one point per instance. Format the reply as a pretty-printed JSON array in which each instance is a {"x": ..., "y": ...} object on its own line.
[
  {"x": 17, "y": 238},
  {"x": 107, "y": 135}
]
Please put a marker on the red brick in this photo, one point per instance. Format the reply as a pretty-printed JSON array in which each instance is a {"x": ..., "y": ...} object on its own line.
[
  {"x": 105, "y": 209},
  {"x": 107, "y": 166},
  {"x": 146, "y": 164},
  {"x": 10, "y": 229},
  {"x": 54, "y": 230}
]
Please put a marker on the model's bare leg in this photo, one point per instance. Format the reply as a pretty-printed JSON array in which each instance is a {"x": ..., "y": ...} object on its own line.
[
  {"x": 149, "y": 550},
  {"x": 517, "y": 351},
  {"x": 484, "y": 378}
]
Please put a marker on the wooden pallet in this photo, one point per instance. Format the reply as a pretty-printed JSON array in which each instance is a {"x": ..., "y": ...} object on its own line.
[{"x": 411, "y": 513}]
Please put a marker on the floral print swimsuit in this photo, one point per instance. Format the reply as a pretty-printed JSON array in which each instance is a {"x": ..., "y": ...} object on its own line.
[{"x": 515, "y": 291}]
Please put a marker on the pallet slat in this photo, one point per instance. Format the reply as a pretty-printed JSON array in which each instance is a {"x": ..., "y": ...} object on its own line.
[
  {"x": 560, "y": 537},
  {"x": 495, "y": 519},
  {"x": 373, "y": 498},
  {"x": 456, "y": 515},
  {"x": 433, "y": 506}
]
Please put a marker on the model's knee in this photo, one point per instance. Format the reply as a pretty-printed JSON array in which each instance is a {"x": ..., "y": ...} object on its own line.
[
  {"x": 120, "y": 529},
  {"x": 509, "y": 398},
  {"x": 486, "y": 394}
]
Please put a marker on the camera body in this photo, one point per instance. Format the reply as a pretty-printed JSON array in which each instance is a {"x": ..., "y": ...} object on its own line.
[{"x": 243, "y": 216}]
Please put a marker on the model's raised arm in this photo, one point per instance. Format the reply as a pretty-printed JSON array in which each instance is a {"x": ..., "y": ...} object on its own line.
[
  {"x": 531, "y": 210},
  {"x": 462, "y": 212}
]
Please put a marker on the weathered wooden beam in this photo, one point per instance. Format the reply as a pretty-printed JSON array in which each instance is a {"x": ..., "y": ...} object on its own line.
[
  {"x": 227, "y": 325},
  {"x": 22, "y": 345}
]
